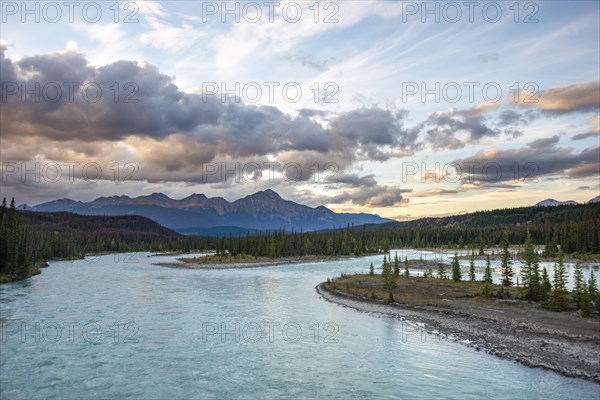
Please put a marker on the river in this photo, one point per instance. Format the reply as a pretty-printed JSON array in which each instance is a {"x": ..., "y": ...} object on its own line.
[{"x": 117, "y": 326}]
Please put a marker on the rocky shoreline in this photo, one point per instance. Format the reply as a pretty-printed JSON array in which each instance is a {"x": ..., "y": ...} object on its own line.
[{"x": 498, "y": 334}]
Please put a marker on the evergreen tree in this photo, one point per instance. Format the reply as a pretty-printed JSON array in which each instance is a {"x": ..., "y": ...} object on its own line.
[
  {"x": 389, "y": 280},
  {"x": 384, "y": 265},
  {"x": 371, "y": 270},
  {"x": 546, "y": 286},
  {"x": 406, "y": 272},
  {"x": 487, "y": 277},
  {"x": 559, "y": 294},
  {"x": 456, "y": 275},
  {"x": 506, "y": 262},
  {"x": 585, "y": 301},
  {"x": 472, "y": 268},
  {"x": 441, "y": 270},
  {"x": 530, "y": 274},
  {"x": 578, "y": 284},
  {"x": 396, "y": 266},
  {"x": 593, "y": 291}
]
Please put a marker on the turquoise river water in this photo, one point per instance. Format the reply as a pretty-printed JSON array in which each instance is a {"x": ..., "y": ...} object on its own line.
[{"x": 117, "y": 326}]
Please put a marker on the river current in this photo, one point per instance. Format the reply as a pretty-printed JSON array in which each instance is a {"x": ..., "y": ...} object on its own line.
[{"x": 117, "y": 326}]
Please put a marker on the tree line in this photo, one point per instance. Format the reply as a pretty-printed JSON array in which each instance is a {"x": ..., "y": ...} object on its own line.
[
  {"x": 573, "y": 229},
  {"x": 27, "y": 238}
]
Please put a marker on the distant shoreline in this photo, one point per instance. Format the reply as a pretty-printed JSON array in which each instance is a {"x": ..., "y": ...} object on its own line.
[
  {"x": 230, "y": 265},
  {"x": 245, "y": 263},
  {"x": 497, "y": 333}
]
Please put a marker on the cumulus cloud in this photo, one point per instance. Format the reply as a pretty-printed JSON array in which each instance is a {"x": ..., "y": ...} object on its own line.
[
  {"x": 174, "y": 131},
  {"x": 442, "y": 127}
]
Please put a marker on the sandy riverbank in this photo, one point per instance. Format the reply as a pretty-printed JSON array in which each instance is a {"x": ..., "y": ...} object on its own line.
[
  {"x": 524, "y": 336},
  {"x": 199, "y": 263},
  {"x": 232, "y": 265}
]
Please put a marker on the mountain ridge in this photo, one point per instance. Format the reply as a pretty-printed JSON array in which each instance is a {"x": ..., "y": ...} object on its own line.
[
  {"x": 261, "y": 210},
  {"x": 554, "y": 202}
]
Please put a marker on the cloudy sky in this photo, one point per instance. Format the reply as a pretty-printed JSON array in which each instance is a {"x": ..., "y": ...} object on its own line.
[{"x": 403, "y": 109}]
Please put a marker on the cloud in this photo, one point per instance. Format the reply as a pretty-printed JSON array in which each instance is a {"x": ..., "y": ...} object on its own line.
[
  {"x": 354, "y": 180},
  {"x": 175, "y": 132},
  {"x": 436, "y": 192},
  {"x": 587, "y": 187},
  {"x": 310, "y": 62},
  {"x": 594, "y": 129},
  {"x": 372, "y": 196},
  {"x": 442, "y": 127},
  {"x": 513, "y": 118},
  {"x": 540, "y": 158},
  {"x": 579, "y": 98}
]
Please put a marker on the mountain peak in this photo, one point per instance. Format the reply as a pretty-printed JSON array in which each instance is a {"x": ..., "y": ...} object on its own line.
[
  {"x": 594, "y": 200},
  {"x": 266, "y": 194},
  {"x": 272, "y": 193},
  {"x": 158, "y": 195},
  {"x": 554, "y": 203},
  {"x": 195, "y": 196}
]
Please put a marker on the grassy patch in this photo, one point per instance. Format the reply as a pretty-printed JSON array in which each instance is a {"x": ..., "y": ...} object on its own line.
[{"x": 420, "y": 291}]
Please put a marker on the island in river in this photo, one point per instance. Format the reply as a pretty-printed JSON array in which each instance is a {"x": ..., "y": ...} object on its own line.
[
  {"x": 243, "y": 261},
  {"x": 563, "y": 342}
]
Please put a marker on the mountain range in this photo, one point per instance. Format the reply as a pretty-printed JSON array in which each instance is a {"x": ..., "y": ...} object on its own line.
[
  {"x": 554, "y": 203},
  {"x": 198, "y": 214}
]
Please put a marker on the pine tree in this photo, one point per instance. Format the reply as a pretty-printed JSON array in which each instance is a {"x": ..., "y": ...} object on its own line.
[
  {"x": 559, "y": 294},
  {"x": 441, "y": 270},
  {"x": 384, "y": 266},
  {"x": 371, "y": 270},
  {"x": 472, "y": 268},
  {"x": 593, "y": 290},
  {"x": 506, "y": 262},
  {"x": 456, "y": 275},
  {"x": 396, "y": 266},
  {"x": 487, "y": 277},
  {"x": 406, "y": 272},
  {"x": 530, "y": 274},
  {"x": 389, "y": 280},
  {"x": 578, "y": 284},
  {"x": 546, "y": 286},
  {"x": 592, "y": 285},
  {"x": 585, "y": 301}
]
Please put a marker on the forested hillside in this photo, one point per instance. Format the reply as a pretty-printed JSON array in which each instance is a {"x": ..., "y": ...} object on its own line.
[{"x": 576, "y": 228}]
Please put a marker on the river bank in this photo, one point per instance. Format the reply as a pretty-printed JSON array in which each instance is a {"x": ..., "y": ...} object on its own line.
[
  {"x": 561, "y": 342},
  {"x": 224, "y": 262}
]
